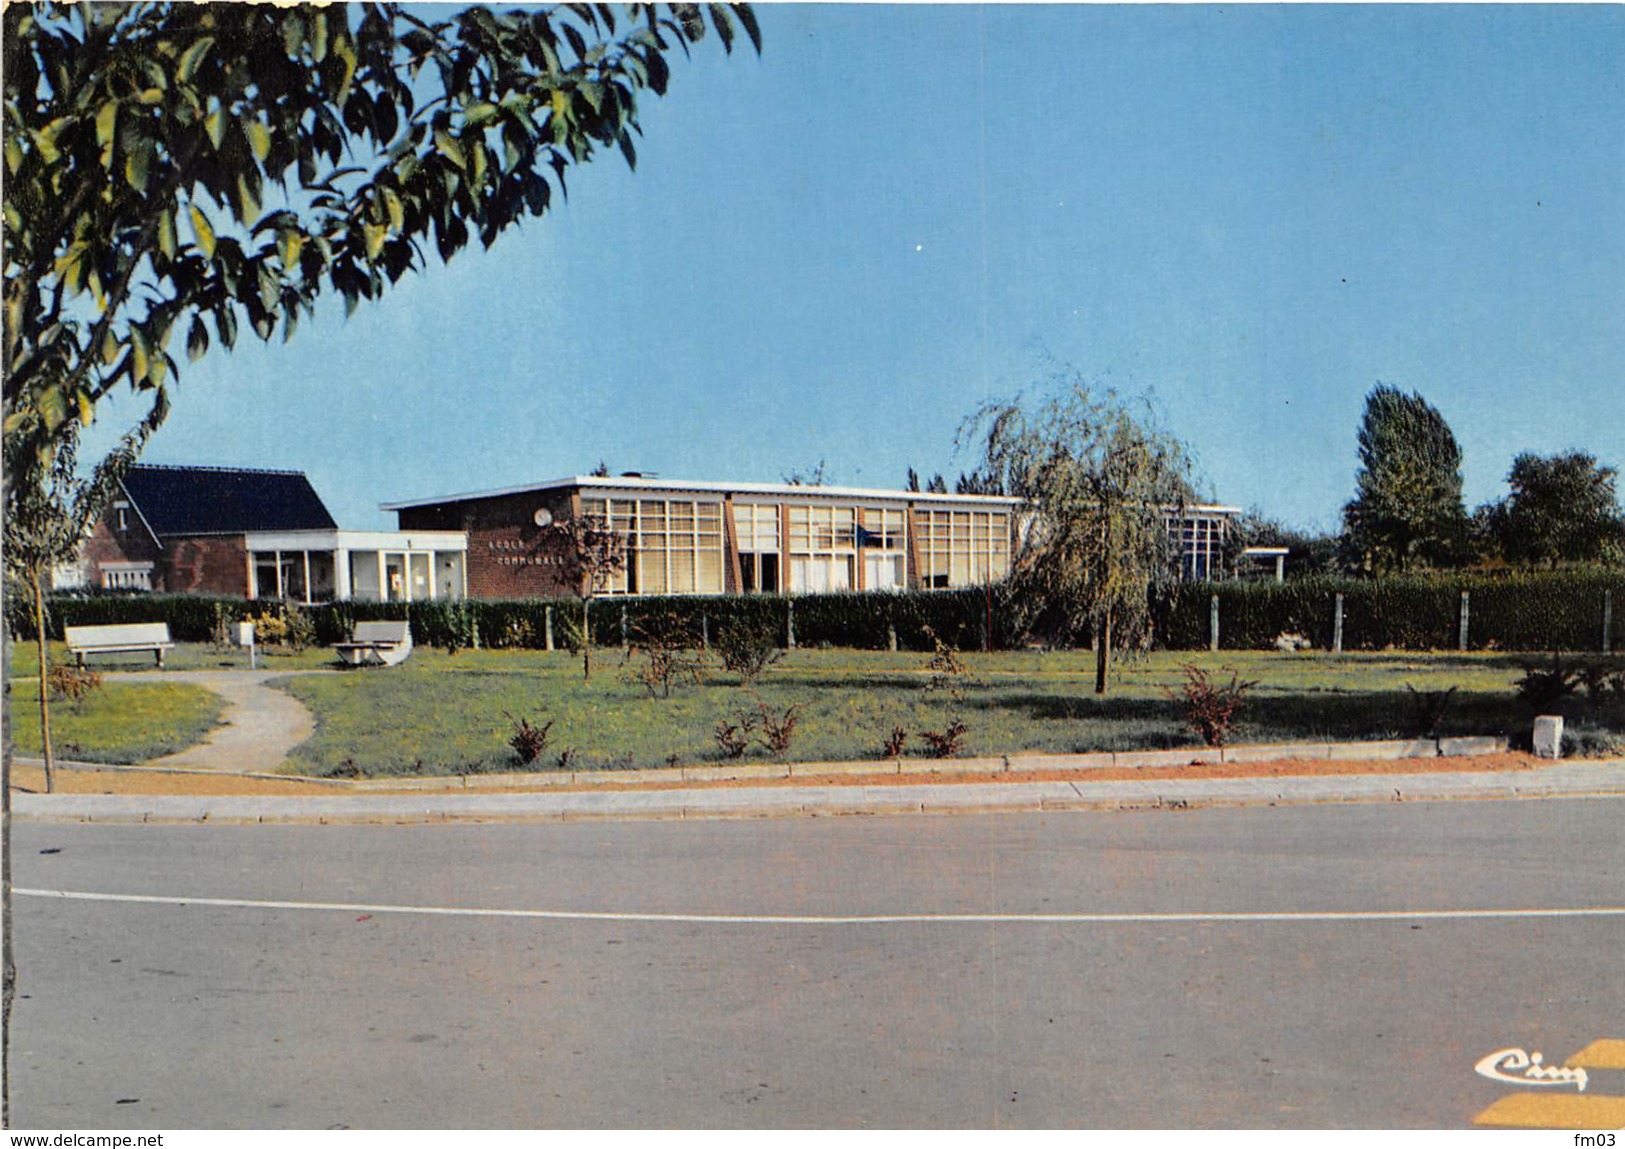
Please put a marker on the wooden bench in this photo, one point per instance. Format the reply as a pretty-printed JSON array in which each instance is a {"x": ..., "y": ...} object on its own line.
[
  {"x": 120, "y": 639},
  {"x": 377, "y": 644}
]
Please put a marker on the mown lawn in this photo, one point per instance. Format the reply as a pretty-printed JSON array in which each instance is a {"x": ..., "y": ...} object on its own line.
[
  {"x": 184, "y": 656},
  {"x": 123, "y": 722},
  {"x": 439, "y": 713}
]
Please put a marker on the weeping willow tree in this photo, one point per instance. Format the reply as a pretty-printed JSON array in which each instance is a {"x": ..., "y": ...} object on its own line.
[{"x": 1101, "y": 480}]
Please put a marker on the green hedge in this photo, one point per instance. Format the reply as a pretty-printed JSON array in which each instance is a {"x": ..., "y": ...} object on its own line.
[
  {"x": 1544, "y": 610},
  {"x": 854, "y": 620},
  {"x": 1548, "y": 610}
]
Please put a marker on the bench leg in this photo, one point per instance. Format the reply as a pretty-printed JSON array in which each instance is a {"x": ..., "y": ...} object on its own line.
[{"x": 160, "y": 656}]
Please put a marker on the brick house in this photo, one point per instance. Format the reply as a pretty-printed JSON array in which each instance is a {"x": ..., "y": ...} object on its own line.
[{"x": 258, "y": 534}]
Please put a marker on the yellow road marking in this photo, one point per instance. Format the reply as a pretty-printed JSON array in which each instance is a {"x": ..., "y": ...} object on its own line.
[
  {"x": 1608, "y": 1053},
  {"x": 1554, "y": 1111}
]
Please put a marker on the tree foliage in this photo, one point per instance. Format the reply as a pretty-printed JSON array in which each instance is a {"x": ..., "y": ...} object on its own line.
[
  {"x": 1562, "y": 508},
  {"x": 1102, "y": 479},
  {"x": 175, "y": 171},
  {"x": 1407, "y": 510}
]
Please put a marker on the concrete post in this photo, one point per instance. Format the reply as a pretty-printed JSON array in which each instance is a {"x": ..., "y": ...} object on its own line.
[
  {"x": 705, "y": 632},
  {"x": 1337, "y": 625},
  {"x": 547, "y": 619},
  {"x": 790, "y": 623},
  {"x": 1213, "y": 623},
  {"x": 626, "y": 632},
  {"x": 1607, "y": 618},
  {"x": 891, "y": 637},
  {"x": 1461, "y": 638}
]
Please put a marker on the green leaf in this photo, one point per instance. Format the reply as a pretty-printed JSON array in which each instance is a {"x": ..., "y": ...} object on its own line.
[
  {"x": 204, "y": 233},
  {"x": 87, "y": 409},
  {"x": 375, "y": 234},
  {"x": 215, "y": 124},
  {"x": 480, "y": 114},
  {"x": 259, "y": 139},
  {"x": 197, "y": 339},
  {"x": 166, "y": 232},
  {"x": 290, "y": 244},
  {"x": 106, "y": 122},
  {"x": 71, "y": 268},
  {"x": 446, "y": 144},
  {"x": 192, "y": 57},
  {"x": 151, "y": 96},
  {"x": 140, "y": 356},
  {"x": 135, "y": 166},
  {"x": 45, "y": 139},
  {"x": 248, "y": 204},
  {"x": 397, "y": 212},
  {"x": 14, "y": 154}
]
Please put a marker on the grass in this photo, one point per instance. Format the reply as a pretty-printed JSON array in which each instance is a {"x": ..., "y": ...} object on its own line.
[
  {"x": 455, "y": 714},
  {"x": 121, "y": 723},
  {"x": 184, "y": 656}
]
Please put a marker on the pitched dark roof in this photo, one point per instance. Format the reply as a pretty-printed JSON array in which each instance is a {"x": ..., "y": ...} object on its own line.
[{"x": 224, "y": 500}]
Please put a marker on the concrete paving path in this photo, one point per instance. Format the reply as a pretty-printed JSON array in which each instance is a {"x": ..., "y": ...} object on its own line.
[
  {"x": 1567, "y": 780},
  {"x": 259, "y": 727}
]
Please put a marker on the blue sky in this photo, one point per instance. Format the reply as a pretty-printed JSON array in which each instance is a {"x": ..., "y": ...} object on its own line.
[{"x": 839, "y": 249}]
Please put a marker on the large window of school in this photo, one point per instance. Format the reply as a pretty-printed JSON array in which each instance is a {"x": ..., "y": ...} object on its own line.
[
  {"x": 673, "y": 546},
  {"x": 756, "y": 526},
  {"x": 835, "y": 548},
  {"x": 962, "y": 548},
  {"x": 823, "y": 548}
]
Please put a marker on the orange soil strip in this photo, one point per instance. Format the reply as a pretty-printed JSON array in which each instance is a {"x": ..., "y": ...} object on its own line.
[{"x": 32, "y": 778}]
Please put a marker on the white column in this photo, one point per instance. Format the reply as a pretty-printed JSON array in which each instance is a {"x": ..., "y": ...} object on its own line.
[
  {"x": 279, "y": 591},
  {"x": 383, "y": 578},
  {"x": 307, "y": 575},
  {"x": 341, "y": 574}
]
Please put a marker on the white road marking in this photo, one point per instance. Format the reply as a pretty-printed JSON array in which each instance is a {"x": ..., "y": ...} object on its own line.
[{"x": 837, "y": 919}]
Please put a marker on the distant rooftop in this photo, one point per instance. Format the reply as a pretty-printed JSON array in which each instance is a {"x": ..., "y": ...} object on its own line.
[
  {"x": 643, "y": 482},
  {"x": 224, "y": 500}
]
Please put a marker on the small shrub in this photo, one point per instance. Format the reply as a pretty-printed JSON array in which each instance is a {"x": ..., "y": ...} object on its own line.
[
  {"x": 1589, "y": 742},
  {"x": 345, "y": 769},
  {"x": 528, "y": 741},
  {"x": 1428, "y": 710},
  {"x": 567, "y": 758},
  {"x": 948, "y": 670},
  {"x": 72, "y": 682},
  {"x": 1544, "y": 687},
  {"x": 777, "y": 730},
  {"x": 668, "y": 654},
  {"x": 733, "y": 738},
  {"x": 1208, "y": 708},
  {"x": 947, "y": 742},
  {"x": 748, "y": 648},
  {"x": 895, "y": 741}
]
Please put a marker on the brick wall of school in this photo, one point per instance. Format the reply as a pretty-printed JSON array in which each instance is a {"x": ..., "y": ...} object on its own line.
[
  {"x": 509, "y": 556},
  {"x": 206, "y": 564}
]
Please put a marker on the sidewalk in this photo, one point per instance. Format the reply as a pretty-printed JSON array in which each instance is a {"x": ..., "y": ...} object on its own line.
[{"x": 1565, "y": 780}]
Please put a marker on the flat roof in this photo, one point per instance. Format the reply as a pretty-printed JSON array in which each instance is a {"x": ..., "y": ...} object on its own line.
[{"x": 629, "y": 483}]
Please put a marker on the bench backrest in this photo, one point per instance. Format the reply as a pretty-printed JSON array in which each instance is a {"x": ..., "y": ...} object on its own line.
[
  {"x": 386, "y": 631},
  {"x": 122, "y": 634}
]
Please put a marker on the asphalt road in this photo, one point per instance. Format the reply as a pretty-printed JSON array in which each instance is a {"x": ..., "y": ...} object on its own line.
[{"x": 793, "y": 1005}]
